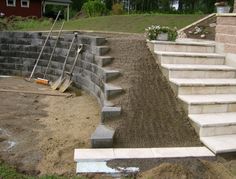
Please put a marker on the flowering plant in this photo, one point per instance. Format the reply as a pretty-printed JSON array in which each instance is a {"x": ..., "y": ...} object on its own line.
[{"x": 153, "y": 31}]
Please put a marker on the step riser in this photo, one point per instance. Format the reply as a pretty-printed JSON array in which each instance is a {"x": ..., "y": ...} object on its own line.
[
  {"x": 190, "y": 60},
  {"x": 103, "y": 61},
  {"x": 184, "y": 48},
  {"x": 209, "y": 108},
  {"x": 215, "y": 130},
  {"x": 110, "y": 112},
  {"x": 190, "y": 90},
  {"x": 108, "y": 76},
  {"x": 197, "y": 74}
]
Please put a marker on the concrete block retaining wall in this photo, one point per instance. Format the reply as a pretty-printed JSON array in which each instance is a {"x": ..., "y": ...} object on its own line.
[{"x": 19, "y": 51}]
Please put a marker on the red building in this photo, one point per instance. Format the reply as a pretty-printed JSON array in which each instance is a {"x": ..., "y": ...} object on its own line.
[
  {"x": 22, "y": 8},
  {"x": 26, "y": 8}
]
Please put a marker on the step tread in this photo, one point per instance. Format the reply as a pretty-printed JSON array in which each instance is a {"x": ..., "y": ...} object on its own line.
[
  {"x": 140, "y": 153},
  {"x": 212, "y": 119},
  {"x": 220, "y": 144},
  {"x": 209, "y": 99},
  {"x": 109, "y": 86},
  {"x": 189, "y": 54},
  {"x": 203, "y": 81},
  {"x": 198, "y": 67},
  {"x": 108, "y": 70},
  {"x": 189, "y": 43}
]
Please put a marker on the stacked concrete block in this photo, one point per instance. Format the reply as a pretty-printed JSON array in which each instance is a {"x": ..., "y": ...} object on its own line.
[{"x": 19, "y": 51}]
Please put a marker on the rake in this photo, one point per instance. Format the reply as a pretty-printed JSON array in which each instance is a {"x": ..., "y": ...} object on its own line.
[{"x": 44, "y": 80}]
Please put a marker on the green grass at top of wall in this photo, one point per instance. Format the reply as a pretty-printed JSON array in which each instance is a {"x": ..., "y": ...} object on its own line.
[{"x": 122, "y": 23}]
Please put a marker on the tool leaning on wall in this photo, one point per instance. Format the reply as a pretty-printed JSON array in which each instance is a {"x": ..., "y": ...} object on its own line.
[{"x": 67, "y": 81}]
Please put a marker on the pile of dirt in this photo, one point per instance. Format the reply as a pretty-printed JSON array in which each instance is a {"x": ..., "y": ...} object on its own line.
[
  {"x": 151, "y": 114},
  {"x": 194, "y": 169}
]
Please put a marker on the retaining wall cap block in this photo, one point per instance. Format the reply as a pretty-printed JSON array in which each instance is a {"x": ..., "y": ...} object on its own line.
[
  {"x": 103, "y": 132},
  {"x": 102, "y": 137},
  {"x": 91, "y": 40},
  {"x": 103, "y": 60},
  {"x": 111, "y": 109},
  {"x": 110, "y": 74},
  {"x": 110, "y": 112}
]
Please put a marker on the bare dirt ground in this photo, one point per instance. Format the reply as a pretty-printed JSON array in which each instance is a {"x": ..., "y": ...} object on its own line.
[
  {"x": 187, "y": 168},
  {"x": 151, "y": 114},
  {"x": 207, "y": 28},
  {"x": 39, "y": 133}
]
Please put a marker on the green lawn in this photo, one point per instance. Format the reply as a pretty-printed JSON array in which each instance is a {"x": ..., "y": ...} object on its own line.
[{"x": 122, "y": 23}]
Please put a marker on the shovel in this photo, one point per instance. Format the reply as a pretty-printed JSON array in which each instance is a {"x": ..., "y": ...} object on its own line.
[
  {"x": 67, "y": 81},
  {"x": 59, "y": 81}
]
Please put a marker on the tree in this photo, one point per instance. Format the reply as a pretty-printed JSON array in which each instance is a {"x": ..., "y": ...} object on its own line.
[
  {"x": 235, "y": 6},
  {"x": 77, "y": 4}
]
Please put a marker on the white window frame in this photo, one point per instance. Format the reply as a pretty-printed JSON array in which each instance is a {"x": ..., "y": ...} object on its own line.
[
  {"x": 11, "y": 5},
  {"x": 28, "y": 3}
]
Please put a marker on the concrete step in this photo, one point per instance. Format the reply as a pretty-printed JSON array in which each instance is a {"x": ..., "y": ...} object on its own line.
[
  {"x": 217, "y": 103},
  {"x": 110, "y": 112},
  {"x": 190, "y": 86},
  {"x": 99, "y": 155},
  {"x": 198, "y": 71},
  {"x": 214, "y": 124},
  {"x": 220, "y": 144},
  {"x": 102, "y": 137},
  {"x": 100, "y": 50},
  {"x": 185, "y": 46},
  {"x": 189, "y": 58},
  {"x": 103, "y": 60},
  {"x": 112, "y": 91},
  {"x": 110, "y": 74}
]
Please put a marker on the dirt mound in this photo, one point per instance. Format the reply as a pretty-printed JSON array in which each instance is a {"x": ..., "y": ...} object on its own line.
[
  {"x": 151, "y": 116},
  {"x": 167, "y": 170},
  {"x": 197, "y": 169}
]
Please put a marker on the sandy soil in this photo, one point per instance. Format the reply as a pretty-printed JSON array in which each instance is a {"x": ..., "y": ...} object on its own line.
[{"x": 39, "y": 133}]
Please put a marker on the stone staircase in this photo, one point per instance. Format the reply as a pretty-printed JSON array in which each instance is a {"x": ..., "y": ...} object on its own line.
[{"x": 205, "y": 86}]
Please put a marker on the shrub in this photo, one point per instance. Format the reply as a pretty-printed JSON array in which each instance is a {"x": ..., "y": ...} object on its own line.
[
  {"x": 94, "y": 8},
  {"x": 117, "y": 9},
  {"x": 153, "y": 31}
]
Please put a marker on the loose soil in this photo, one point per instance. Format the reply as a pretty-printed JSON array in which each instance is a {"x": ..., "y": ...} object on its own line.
[
  {"x": 39, "y": 133},
  {"x": 189, "y": 168},
  {"x": 151, "y": 114},
  {"x": 208, "y": 29}
]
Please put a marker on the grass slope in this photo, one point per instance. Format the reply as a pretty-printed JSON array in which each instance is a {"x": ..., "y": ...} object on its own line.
[{"x": 122, "y": 23}]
